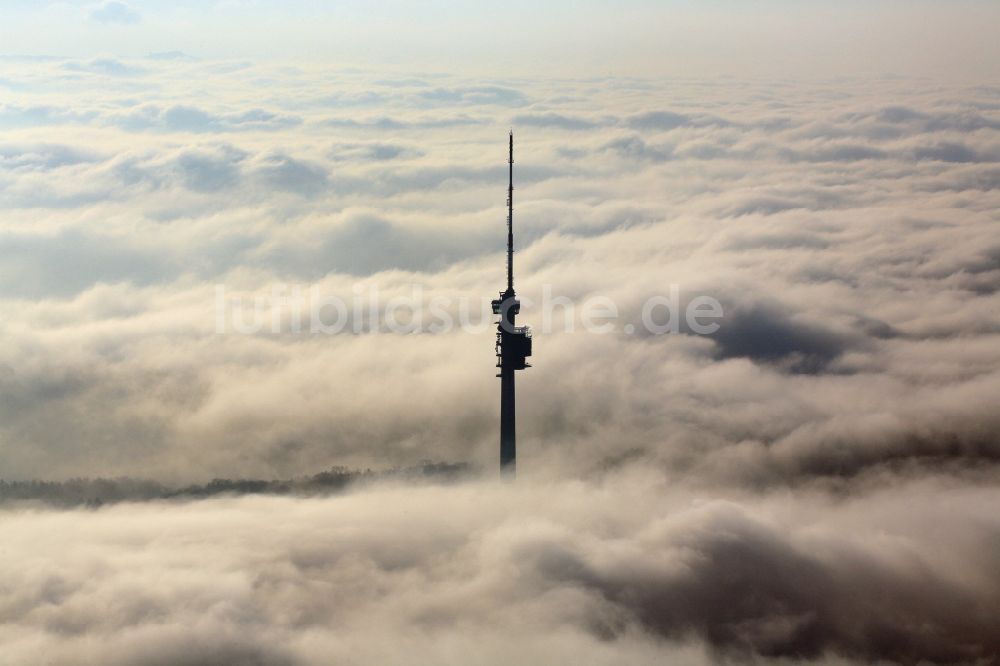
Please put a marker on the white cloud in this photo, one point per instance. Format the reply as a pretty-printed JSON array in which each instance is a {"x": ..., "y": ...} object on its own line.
[
  {"x": 114, "y": 11},
  {"x": 844, "y": 228},
  {"x": 630, "y": 570},
  {"x": 810, "y": 481}
]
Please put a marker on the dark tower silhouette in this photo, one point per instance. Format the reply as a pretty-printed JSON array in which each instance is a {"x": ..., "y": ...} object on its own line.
[{"x": 513, "y": 342}]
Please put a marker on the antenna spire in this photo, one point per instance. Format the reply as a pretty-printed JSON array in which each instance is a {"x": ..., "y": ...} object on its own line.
[{"x": 510, "y": 217}]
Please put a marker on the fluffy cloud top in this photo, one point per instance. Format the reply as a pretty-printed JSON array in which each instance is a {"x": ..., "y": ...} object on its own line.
[
  {"x": 812, "y": 481},
  {"x": 847, "y": 229},
  {"x": 630, "y": 571}
]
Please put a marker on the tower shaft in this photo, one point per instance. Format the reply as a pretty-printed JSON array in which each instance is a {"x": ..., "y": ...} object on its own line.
[{"x": 508, "y": 427}]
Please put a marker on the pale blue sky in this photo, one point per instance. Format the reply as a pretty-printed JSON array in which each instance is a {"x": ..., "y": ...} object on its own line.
[{"x": 642, "y": 37}]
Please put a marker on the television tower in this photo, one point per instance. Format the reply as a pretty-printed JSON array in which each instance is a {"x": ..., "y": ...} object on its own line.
[{"x": 513, "y": 342}]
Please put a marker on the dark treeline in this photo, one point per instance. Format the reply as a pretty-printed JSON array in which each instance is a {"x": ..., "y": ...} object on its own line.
[{"x": 97, "y": 492}]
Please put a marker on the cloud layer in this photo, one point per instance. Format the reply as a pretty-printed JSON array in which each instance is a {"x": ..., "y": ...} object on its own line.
[
  {"x": 847, "y": 228},
  {"x": 629, "y": 571},
  {"x": 810, "y": 482}
]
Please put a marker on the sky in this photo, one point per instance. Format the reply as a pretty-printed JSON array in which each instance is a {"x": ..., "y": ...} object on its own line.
[
  {"x": 815, "y": 481},
  {"x": 676, "y": 37}
]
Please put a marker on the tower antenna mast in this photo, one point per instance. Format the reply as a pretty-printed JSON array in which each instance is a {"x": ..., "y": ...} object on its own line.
[{"x": 510, "y": 216}]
